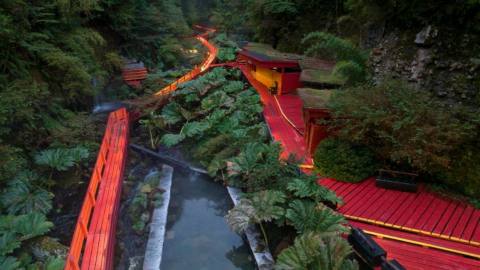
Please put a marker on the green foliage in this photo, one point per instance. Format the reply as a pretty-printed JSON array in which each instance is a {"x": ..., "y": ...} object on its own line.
[
  {"x": 257, "y": 165},
  {"x": 22, "y": 196},
  {"x": 351, "y": 61},
  {"x": 309, "y": 188},
  {"x": 55, "y": 264},
  {"x": 16, "y": 229},
  {"x": 400, "y": 124},
  {"x": 464, "y": 174},
  {"x": 227, "y": 49},
  {"x": 260, "y": 207},
  {"x": 313, "y": 251},
  {"x": 61, "y": 159},
  {"x": 344, "y": 161},
  {"x": 307, "y": 216}
]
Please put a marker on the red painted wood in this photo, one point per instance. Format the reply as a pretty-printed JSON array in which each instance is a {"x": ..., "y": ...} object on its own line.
[
  {"x": 412, "y": 210},
  {"x": 414, "y": 257},
  {"x": 395, "y": 207},
  {"x": 327, "y": 182},
  {"x": 476, "y": 235},
  {"x": 440, "y": 207},
  {"x": 367, "y": 203},
  {"x": 445, "y": 218},
  {"x": 407, "y": 204},
  {"x": 387, "y": 206},
  {"x": 452, "y": 223},
  {"x": 356, "y": 199},
  {"x": 420, "y": 208},
  {"x": 440, "y": 242},
  {"x": 462, "y": 222},
  {"x": 473, "y": 223},
  {"x": 428, "y": 214}
]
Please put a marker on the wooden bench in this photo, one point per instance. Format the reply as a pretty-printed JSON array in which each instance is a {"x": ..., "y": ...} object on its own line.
[{"x": 397, "y": 180}]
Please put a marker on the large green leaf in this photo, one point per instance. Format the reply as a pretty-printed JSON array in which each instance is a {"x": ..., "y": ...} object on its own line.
[
  {"x": 314, "y": 251},
  {"x": 170, "y": 140},
  {"x": 21, "y": 197},
  {"x": 308, "y": 216},
  {"x": 308, "y": 188},
  {"x": 172, "y": 113},
  {"x": 191, "y": 129},
  {"x": 267, "y": 205},
  {"x": 9, "y": 263},
  {"x": 32, "y": 225},
  {"x": 8, "y": 243},
  {"x": 55, "y": 264},
  {"x": 240, "y": 217}
]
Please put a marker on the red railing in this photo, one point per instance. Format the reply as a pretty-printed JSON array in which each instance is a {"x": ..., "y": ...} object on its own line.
[
  {"x": 93, "y": 241},
  {"x": 94, "y": 235},
  {"x": 212, "y": 54}
]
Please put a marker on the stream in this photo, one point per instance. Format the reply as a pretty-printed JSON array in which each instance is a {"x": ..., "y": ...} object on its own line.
[{"x": 197, "y": 235}]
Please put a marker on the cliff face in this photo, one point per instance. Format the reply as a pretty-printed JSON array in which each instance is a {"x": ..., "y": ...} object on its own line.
[{"x": 442, "y": 61}]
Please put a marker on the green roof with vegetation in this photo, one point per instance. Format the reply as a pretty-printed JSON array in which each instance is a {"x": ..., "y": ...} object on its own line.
[
  {"x": 314, "y": 98},
  {"x": 268, "y": 53}
]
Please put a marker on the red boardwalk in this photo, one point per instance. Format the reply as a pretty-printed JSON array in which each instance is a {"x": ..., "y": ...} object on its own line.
[
  {"x": 98, "y": 216},
  {"x": 281, "y": 129},
  {"x": 421, "y": 230}
]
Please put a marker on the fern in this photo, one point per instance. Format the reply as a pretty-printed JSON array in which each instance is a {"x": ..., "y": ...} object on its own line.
[
  {"x": 308, "y": 188},
  {"x": 312, "y": 251},
  {"x": 61, "y": 159},
  {"x": 308, "y": 216}
]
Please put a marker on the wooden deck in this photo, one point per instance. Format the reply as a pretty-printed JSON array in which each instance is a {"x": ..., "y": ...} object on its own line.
[{"x": 421, "y": 230}]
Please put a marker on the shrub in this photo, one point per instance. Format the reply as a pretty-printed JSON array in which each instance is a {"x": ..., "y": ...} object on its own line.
[
  {"x": 464, "y": 175},
  {"x": 344, "y": 161},
  {"x": 400, "y": 124},
  {"x": 351, "y": 61}
]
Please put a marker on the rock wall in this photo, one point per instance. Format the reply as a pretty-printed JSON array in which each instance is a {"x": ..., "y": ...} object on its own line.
[{"x": 442, "y": 61}]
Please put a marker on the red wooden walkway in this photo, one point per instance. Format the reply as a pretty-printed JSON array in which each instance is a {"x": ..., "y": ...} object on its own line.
[
  {"x": 93, "y": 242},
  {"x": 98, "y": 217},
  {"x": 281, "y": 130},
  {"x": 421, "y": 230}
]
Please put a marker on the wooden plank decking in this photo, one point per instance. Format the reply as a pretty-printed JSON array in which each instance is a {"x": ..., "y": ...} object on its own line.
[{"x": 421, "y": 230}]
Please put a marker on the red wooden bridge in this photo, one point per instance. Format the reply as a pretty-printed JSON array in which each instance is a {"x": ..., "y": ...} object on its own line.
[{"x": 93, "y": 242}]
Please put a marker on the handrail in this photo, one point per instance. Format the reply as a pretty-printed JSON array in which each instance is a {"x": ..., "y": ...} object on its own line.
[
  {"x": 114, "y": 140},
  {"x": 105, "y": 154}
]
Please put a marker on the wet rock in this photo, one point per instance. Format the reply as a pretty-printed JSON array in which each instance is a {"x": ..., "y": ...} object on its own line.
[
  {"x": 427, "y": 36},
  {"x": 46, "y": 247},
  {"x": 135, "y": 263}
]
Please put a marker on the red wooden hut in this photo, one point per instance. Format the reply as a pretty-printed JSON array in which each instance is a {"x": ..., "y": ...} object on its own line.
[{"x": 279, "y": 72}]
